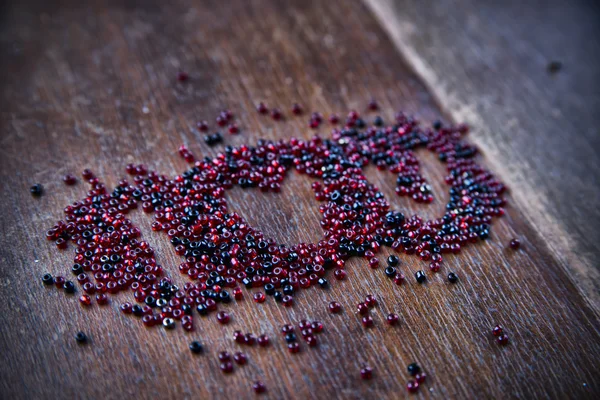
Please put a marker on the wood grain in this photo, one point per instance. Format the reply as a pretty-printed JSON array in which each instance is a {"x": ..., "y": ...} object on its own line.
[
  {"x": 95, "y": 86},
  {"x": 487, "y": 64}
]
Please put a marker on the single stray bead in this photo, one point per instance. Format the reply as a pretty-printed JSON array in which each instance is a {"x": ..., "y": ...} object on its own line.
[
  {"x": 420, "y": 276},
  {"x": 413, "y": 369},
  {"x": 497, "y": 331},
  {"x": 47, "y": 279},
  {"x": 85, "y": 300},
  {"x": 362, "y": 308},
  {"x": 316, "y": 326},
  {"x": 335, "y": 307},
  {"x": 223, "y": 317},
  {"x": 412, "y": 386},
  {"x": 503, "y": 339},
  {"x": 259, "y": 387},
  {"x": 366, "y": 373},
  {"x": 240, "y": 358},
  {"x": 226, "y": 367},
  {"x": 69, "y": 287},
  {"x": 262, "y": 108},
  {"x": 36, "y": 190},
  {"x": 182, "y": 76},
  {"x": 297, "y": 109},
  {"x": 367, "y": 321},
  {"x": 392, "y": 319},
  {"x": 515, "y": 244},
  {"x": 263, "y": 340},
  {"x": 452, "y": 277},
  {"x": 196, "y": 347},
  {"x": 434, "y": 267},
  {"x": 81, "y": 337},
  {"x": 259, "y": 297},
  {"x": 69, "y": 179},
  {"x": 276, "y": 114},
  {"x": 390, "y": 272},
  {"x": 311, "y": 341}
]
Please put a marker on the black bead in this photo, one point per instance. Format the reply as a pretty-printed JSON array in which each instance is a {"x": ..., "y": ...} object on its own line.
[
  {"x": 151, "y": 301},
  {"x": 36, "y": 190},
  {"x": 69, "y": 287},
  {"x": 290, "y": 337},
  {"x": 224, "y": 297},
  {"x": 81, "y": 337},
  {"x": 278, "y": 296},
  {"x": 47, "y": 279},
  {"x": 452, "y": 277},
  {"x": 413, "y": 369},
  {"x": 437, "y": 125},
  {"x": 323, "y": 283},
  {"x": 187, "y": 309},
  {"x": 202, "y": 310},
  {"x": 390, "y": 271},
  {"x": 420, "y": 276},
  {"x": 269, "y": 289},
  {"x": 77, "y": 269},
  {"x": 393, "y": 260},
  {"x": 161, "y": 302},
  {"x": 288, "y": 289},
  {"x": 196, "y": 347},
  {"x": 378, "y": 121},
  {"x": 137, "y": 310}
]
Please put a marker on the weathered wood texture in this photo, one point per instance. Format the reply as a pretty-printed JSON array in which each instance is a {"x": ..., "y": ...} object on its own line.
[
  {"x": 75, "y": 83},
  {"x": 486, "y": 63}
]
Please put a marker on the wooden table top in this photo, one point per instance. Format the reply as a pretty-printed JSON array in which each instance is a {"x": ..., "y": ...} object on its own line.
[{"x": 83, "y": 85}]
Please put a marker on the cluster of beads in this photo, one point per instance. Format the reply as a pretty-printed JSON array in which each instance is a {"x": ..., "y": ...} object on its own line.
[{"x": 221, "y": 251}]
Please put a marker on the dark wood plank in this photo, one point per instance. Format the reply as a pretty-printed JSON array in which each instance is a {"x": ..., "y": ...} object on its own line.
[
  {"x": 75, "y": 81},
  {"x": 487, "y": 64}
]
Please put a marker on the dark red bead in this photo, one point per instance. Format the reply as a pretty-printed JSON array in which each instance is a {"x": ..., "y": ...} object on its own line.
[
  {"x": 420, "y": 377},
  {"x": 370, "y": 300},
  {"x": 262, "y": 108},
  {"x": 367, "y": 321},
  {"x": 263, "y": 340},
  {"x": 223, "y": 317},
  {"x": 85, "y": 300},
  {"x": 503, "y": 339},
  {"x": 240, "y": 358},
  {"x": 497, "y": 331},
  {"x": 69, "y": 179},
  {"x": 412, "y": 386},
  {"x": 335, "y": 307},
  {"x": 259, "y": 297},
  {"x": 366, "y": 373},
  {"x": 259, "y": 387},
  {"x": 224, "y": 356},
  {"x": 515, "y": 244},
  {"x": 226, "y": 367},
  {"x": 293, "y": 347},
  {"x": 316, "y": 326},
  {"x": 392, "y": 319},
  {"x": 182, "y": 76},
  {"x": 362, "y": 308}
]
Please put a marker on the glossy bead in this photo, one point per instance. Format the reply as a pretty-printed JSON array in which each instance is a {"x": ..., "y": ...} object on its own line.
[
  {"x": 287, "y": 328},
  {"x": 503, "y": 339},
  {"x": 240, "y": 358},
  {"x": 420, "y": 377},
  {"x": 420, "y": 276},
  {"x": 224, "y": 356},
  {"x": 297, "y": 109},
  {"x": 393, "y": 260},
  {"x": 290, "y": 337},
  {"x": 223, "y": 317},
  {"x": 288, "y": 301},
  {"x": 316, "y": 326},
  {"x": 399, "y": 279},
  {"x": 259, "y": 387},
  {"x": 413, "y": 369},
  {"x": 59, "y": 281},
  {"x": 366, "y": 373},
  {"x": 85, "y": 300},
  {"x": 498, "y": 330},
  {"x": 392, "y": 319},
  {"x": 390, "y": 272},
  {"x": 69, "y": 287},
  {"x": 367, "y": 321},
  {"x": 237, "y": 293},
  {"x": 412, "y": 386},
  {"x": 262, "y": 108},
  {"x": 452, "y": 277},
  {"x": 312, "y": 341},
  {"x": 102, "y": 299},
  {"x": 335, "y": 307},
  {"x": 293, "y": 347},
  {"x": 434, "y": 267},
  {"x": 259, "y": 297},
  {"x": 81, "y": 337},
  {"x": 371, "y": 300},
  {"x": 226, "y": 367},
  {"x": 169, "y": 323},
  {"x": 263, "y": 340},
  {"x": 515, "y": 244},
  {"x": 126, "y": 308},
  {"x": 196, "y": 347},
  {"x": 340, "y": 274},
  {"x": 249, "y": 339},
  {"x": 47, "y": 279},
  {"x": 36, "y": 190},
  {"x": 69, "y": 179},
  {"x": 276, "y": 114}
]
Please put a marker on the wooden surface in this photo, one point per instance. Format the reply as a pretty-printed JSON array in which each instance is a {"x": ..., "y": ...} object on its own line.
[
  {"x": 82, "y": 85},
  {"x": 486, "y": 63}
]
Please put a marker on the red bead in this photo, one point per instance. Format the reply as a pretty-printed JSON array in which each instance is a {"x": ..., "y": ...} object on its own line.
[
  {"x": 367, "y": 321},
  {"x": 366, "y": 373},
  {"x": 224, "y": 356},
  {"x": 223, "y": 317},
  {"x": 249, "y": 339},
  {"x": 340, "y": 274},
  {"x": 125, "y": 308},
  {"x": 259, "y": 297},
  {"x": 262, "y": 108},
  {"x": 102, "y": 299},
  {"x": 233, "y": 129},
  {"x": 293, "y": 347},
  {"x": 362, "y": 308},
  {"x": 287, "y": 328},
  {"x": 240, "y": 358},
  {"x": 497, "y": 331},
  {"x": 316, "y": 326},
  {"x": 412, "y": 386},
  {"x": 85, "y": 300},
  {"x": 259, "y": 387},
  {"x": 312, "y": 341},
  {"x": 515, "y": 244},
  {"x": 503, "y": 339},
  {"x": 276, "y": 114},
  {"x": 399, "y": 279},
  {"x": 237, "y": 293},
  {"x": 202, "y": 126},
  {"x": 392, "y": 319},
  {"x": 334, "y": 119},
  {"x": 373, "y": 106},
  {"x": 287, "y": 301},
  {"x": 182, "y": 77},
  {"x": 420, "y": 377},
  {"x": 371, "y": 300},
  {"x": 69, "y": 179},
  {"x": 238, "y": 337},
  {"x": 226, "y": 367},
  {"x": 297, "y": 109},
  {"x": 434, "y": 267},
  {"x": 263, "y": 340},
  {"x": 335, "y": 307}
]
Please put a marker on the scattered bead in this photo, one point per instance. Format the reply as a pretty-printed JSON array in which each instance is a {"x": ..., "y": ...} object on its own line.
[
  {"x": 366, "y": 373},
  {"x": 420, "y": 276},
  {"x": 297, "y": 109},
  {"x": 316, "y": 326},
  {"x": 367, "y": 321},
  {"x": 412, "y": 386},
  {"x": 276, "y": 114},
  {"x": 293, "y": 347},
  {"x": 196, "y": 347},
  {"x": 36, "y": 190},
  {"x": 69, "y": 179},
  {"x": 182, "y": 76},
  {"x": 420, "y": 377},
  {"x": 240, "y": 358},
  {"x": 223, "y": 317},
  {"x": 226, "y": 367},
  {"x": 498, "y": 330},
  {"x": 85, "y": 300},
  {"x": 515, "y": 244},
  {"x": 452, "y": 277},
  {"x": 81, "y": 337},
  {"x": 392, "y": 319},
  {"x": 370, "y": 300},
  {"x": 47, "y": 279},
  {"x": 335, "y": 307},
  {"x": 259, "y": 387},
  {"x": 503, "y": 339},
  {"x": 169, "y": 323},
  {"x": 263, "y": 340},
  {"x": 413, "y": 369},
  {"x": 224, "y": 356},
  {"x": 259, "y": 297}
]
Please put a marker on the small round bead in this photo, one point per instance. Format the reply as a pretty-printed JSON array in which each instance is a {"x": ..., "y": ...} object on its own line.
[
  {"x": 36, "y": 190},
  {"x": 233, "y": 129},
  {"x": 297, "y": 109},
  {"x": 240, "y": 358},
  {"x": 515, "y": 244},
  {"x": 340, "y": 274},
  {"x": 393, "y": 260},
  {"x": 412, "y": 386},
  {"x": 498, "y": 330},
  {"x": 276, "y": 114},
  {"x": 85, "y": 300},
  {"x": 69, "y": 287},
  {"x": 503, "y": 339},
  {"x": 287, "y": 328},
  {"x": 390, "y": 272},
  {"x": 420, "y": 276},
  {"x": 196, "y": 347},
  {"x": 169, "y": 323},
  {"x": 413, "y": 369},
  {"x": 362, "y": 308},
  {"x": 224, "y": 356},
  {"x": 202, "y": 126},
  {"x": 262, "y": 108},
  {"x": 373, "y": 106},
  {"x": 226, "y": 367},
  {"x": 69, "y": 179},
  {"x": 293, "y": 347},
  {"x": 392, "y": 319},
  {"x": 259, "y": 297},
  {"x": 59, "y": 281},
  {"x": 287, "y": 300},
  {"x": 399, "y": 279},
  {"x": 367, "y": 321},
  {"x": 366, "y": 373},
  {"x": 223, "y": 317},
  {"x": 316, "y": 326},
  {"x": 371, "y": 300},
  {"x": 237, "y": 293},
  {"x": 47, "y": 279},
  {"x": 126, "y": 308},
  {"x": 420, "y": 377},
  {"x": 452, "y": 277},
  {"x": 81, "y": 337},
  {"x": 182, "y": 76},
  {"x": 249, "y": 339},
  {"x": 434, "y": 267},
  {"x": 263, "y": 340},
  {"x": 102, "y": 299},
  {"x": 259, "y": 387},
  {"x": 312, "y": 341},
  {"x": 290, "y": 337},
  {"x": 335, "y": 307}
]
